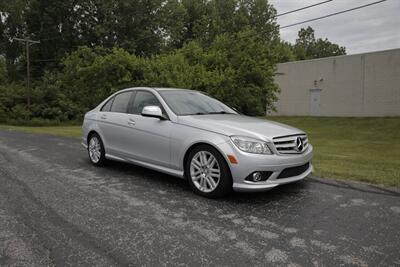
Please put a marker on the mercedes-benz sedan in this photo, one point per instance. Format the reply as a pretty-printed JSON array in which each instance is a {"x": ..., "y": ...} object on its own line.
[{"x": 193, "y": 136}]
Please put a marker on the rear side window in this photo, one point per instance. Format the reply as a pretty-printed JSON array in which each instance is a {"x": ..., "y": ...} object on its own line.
[
  {"x": 107, "y": 106},
  {"x": 143, "y": 99},
  {"x": 120, "y": 103}
]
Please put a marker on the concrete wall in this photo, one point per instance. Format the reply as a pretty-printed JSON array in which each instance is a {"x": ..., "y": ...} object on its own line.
[{"x": 355, "y": 85}]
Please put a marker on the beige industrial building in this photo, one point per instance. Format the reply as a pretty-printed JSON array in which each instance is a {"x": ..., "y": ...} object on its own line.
[{"x": 363, "y": 85}]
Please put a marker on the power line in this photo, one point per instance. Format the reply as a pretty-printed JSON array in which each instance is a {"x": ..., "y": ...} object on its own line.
[
  {"x": 302, "y": 8},
  {"x": 333, "y": 14}
]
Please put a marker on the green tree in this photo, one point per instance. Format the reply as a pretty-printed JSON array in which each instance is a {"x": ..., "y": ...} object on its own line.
[
  {"x": 3, "y": 71},
  {"x": 284, "y": 52},
  {"x": 141, "y": 27},
  {"x": 197, "y": 20},
  {"x": 261, "y": 17},
  {"x": 91, "y": 48},
  {"x": 247, "y": 65},
  {"x": 307, "y": 47},
  {"x": 237, "y": 69},
  {"x": 64, "y": 25},
  {"x": 173, "y": 18}
]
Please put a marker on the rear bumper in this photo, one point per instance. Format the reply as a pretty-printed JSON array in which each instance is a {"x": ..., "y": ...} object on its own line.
[{"x": 249, "y": 163}]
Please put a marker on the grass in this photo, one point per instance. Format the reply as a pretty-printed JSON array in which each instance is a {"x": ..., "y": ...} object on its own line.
[
  {"x": 66, "y": 131},
  {"x": 361, "y": 149}
]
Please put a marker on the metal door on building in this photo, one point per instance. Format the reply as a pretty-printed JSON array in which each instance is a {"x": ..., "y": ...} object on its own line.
[{"x": 315, "y": 102}]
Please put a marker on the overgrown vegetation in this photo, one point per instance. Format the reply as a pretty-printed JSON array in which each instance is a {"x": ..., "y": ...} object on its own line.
[{"x": 90, "y": 49}]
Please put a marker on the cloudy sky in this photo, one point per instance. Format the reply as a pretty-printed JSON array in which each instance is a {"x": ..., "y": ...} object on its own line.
[{"x": 368, "y": 29}]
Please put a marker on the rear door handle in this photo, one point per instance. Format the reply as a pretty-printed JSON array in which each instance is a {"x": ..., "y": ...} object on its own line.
[{"x": 103, "y": 117}]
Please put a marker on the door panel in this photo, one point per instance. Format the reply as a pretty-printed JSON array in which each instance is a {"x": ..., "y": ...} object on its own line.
[
  {"x": 150, "y": 140},
  {"x": 114, "y": 129},
  {"x": 150, "y": 137},
  {"x": 113, "y": 124},
  {"x": 315, "y": 102}
]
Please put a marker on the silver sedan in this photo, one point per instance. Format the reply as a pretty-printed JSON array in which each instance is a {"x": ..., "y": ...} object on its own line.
[{"x": 193, "y": 136}]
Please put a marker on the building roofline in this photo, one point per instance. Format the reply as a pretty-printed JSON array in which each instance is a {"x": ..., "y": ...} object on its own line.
[{"x": 335, "y": 57}]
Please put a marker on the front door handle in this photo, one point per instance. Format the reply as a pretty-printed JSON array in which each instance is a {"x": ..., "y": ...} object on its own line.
[{"x": 131, "y": 122}]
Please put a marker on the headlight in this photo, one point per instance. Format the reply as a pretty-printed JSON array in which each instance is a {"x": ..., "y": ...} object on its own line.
[{"x": 250, "y": 145}]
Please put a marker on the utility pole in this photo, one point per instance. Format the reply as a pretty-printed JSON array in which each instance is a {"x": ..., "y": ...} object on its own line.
[{"x": 28, "y": 43}]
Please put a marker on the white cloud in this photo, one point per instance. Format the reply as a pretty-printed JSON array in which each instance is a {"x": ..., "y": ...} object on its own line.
[{"x": 372, "y": 28}]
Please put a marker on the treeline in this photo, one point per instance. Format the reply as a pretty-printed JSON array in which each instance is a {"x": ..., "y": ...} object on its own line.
[{"x": 89, "y": 49}]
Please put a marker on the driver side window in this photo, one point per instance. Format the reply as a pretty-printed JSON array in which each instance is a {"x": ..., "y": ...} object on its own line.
[{"x": 143, "y": 99}]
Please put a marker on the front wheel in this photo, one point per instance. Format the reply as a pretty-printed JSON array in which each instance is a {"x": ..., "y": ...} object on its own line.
[
  {"x": 207, "y": 172},
  {"x": 96, "y": 150}
]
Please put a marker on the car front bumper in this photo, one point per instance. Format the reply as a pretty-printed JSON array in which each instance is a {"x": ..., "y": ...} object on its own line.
[{"x": 248, "y": 163}]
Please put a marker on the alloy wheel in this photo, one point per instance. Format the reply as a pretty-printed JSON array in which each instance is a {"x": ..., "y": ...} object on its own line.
[
  {"x": 94, "y": 149},
  {"x": 205, "y": 171}
]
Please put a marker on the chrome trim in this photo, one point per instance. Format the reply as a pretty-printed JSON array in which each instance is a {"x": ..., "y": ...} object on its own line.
[{"x": 285, "y": 145}]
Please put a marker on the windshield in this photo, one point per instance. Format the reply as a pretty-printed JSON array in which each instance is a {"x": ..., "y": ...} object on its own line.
[{"x": 185, "y": 102}]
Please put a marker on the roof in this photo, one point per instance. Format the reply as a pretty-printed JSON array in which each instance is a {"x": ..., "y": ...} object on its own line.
[{"x": 167, "y": 88}]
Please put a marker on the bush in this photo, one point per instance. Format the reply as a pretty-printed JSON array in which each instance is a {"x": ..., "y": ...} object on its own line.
[{"x": 13, "y": 102}]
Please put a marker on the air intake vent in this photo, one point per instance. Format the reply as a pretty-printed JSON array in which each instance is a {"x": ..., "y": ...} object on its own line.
[{"x": 293, "y": 171}]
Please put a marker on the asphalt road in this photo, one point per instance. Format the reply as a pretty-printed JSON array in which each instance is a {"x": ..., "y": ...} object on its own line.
[{"x": 58, "y": 209}]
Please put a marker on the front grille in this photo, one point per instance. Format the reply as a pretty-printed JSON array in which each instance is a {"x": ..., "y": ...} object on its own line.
[
  {"x": 293, "y": 171},
  {"x": 287, "y": 144}
]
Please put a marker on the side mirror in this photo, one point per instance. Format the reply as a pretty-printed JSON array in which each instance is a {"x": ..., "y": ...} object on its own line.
[{"x": 153, "y": 111}]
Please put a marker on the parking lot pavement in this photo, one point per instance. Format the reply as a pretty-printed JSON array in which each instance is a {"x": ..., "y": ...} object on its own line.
[{"x": 57, "y": 209}]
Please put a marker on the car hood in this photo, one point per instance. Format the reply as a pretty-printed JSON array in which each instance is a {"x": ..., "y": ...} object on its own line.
[{"x": 233, "y": 124}]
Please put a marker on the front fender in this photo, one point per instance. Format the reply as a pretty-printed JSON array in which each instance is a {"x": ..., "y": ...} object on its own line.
[{"x": 184, "y": 137}]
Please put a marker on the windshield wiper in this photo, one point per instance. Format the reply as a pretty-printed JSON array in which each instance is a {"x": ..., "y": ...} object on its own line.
[
  {"x": 212, "y": 112},
  {"x": 220, "y": 112}
]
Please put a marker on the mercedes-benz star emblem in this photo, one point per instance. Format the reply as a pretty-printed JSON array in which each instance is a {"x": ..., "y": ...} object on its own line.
[{"x": 299, "y": 144}]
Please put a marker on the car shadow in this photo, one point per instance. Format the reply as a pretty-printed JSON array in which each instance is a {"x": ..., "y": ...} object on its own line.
[{"x": 180, "y": 187}]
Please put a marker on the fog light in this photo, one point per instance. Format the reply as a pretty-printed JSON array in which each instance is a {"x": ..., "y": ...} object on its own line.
[{"x": 257, "y": 176}]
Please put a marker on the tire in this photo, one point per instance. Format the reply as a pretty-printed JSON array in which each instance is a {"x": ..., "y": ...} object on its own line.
[
  {"x": 97, "y": 155},
  {"x": 201, "y": 172}
]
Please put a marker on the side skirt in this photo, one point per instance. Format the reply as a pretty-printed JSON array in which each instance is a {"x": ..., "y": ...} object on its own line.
[{"x": 166, "y": 170}]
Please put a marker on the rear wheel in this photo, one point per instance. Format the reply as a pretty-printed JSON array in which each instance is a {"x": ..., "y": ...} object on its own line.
[
  {"x": 96, "y": 150},
  {"x": 207, "y": 172}
]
